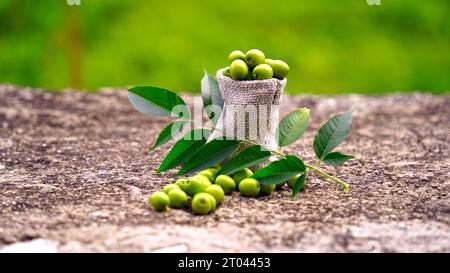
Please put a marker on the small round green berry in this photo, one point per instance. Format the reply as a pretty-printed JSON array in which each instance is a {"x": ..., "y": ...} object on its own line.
[
  {"x": 227, "y": 183},
  {"x": 242, "y": 174},
  {"x": 205, "y": 180},
  {"x": 209, "y": 173},
  {"x": 182, "y": 182},
  {"x": 178, "y": 198},
  {"x": 236, "y": 55},
  {"x": 194, "y": 185},
  {"x": 249, "y": 187},
  {"x": 238, "y": 70},
  {"x": 213, "y": 201},
  {"x": 291, "y": 182},
  {"x": 280, "y": 69},
  {"x": 262, "y": 72},
  {"x": 201, "y": 204},
  {"x": 254, "y": 57},
  {"x": 217, "y": 192},
  {"x": 170, "y": 187},
  {"x": 267, "y": 189},
  {"x": 226, "y": 72},
  {"x": 268, "y": 61},
  {"x": 206, "y": 184},
  {"x": 159, "y": 201},
  {"x": 214, "y": 170}
]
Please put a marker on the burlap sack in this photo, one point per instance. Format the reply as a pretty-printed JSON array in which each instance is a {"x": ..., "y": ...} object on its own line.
[{"x": 250, "y": 110}]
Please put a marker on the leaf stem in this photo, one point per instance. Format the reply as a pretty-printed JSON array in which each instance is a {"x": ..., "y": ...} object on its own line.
[
  {"x": 334, "y": 179},
  {"x": 315, "y": 168}
]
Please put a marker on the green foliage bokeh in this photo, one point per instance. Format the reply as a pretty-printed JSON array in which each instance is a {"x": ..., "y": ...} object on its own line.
[{"x": 331, "y": 46}]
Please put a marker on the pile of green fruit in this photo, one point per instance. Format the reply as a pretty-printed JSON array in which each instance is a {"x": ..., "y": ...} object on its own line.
[
  {"x": 254, "y": 66},
  {"x": 208, "y": 190}
]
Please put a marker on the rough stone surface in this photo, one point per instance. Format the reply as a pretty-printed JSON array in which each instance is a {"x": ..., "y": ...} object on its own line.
[{"x": 75, "y": 175}]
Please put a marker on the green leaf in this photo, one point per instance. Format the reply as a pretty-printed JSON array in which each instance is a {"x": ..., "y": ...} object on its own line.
[
  {"x": 156, "y": 101},
  {"x": 280, "y": 170},
  {"x": 298, "y": 185},
  {"x": 167, "y": 134},
  {"x": 184, "y": 148},
  {"x": 209, "y": 155},
  {"x": 292, "y": 126},
  {"x": 332, "y": 133},
  {"x": 212, "y": 98},
  {"x": 245, "y": 159},
  {"x": 336, "y": 158}
]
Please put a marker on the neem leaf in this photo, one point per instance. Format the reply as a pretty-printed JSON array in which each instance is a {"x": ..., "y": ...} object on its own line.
[
  {"x": 156, "y": 101},
  {"x": 332, "y": 133},
  {"x": 212, "y": 98},
  {"x": 336, "y": 158},
  {"x": 292, "y": 126},
  {"x": 171, "y": 131},
  {"x": 209, "y": 155},
  {"x": 298, "y": 185},
  {"x": 184, "y": 148},
  {"x": 280, "y": 170},
  {"x": 245, "y": 159}
]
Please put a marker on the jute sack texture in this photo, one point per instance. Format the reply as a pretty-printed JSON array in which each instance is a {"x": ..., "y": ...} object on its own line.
[{"x": 250, "y": 111}]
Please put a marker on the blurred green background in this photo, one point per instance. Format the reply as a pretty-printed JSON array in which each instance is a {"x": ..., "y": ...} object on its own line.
[{"x": 331, "y": 46}]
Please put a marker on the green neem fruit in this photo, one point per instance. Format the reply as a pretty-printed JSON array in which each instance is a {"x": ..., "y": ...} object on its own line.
[
  {"x": 203, "y": 178},
  {"x": 182, "y": 182},
  {"x": 194, "y": 185},
  {"x": 209, "y": 173},
  {"x": 170, "y": 187},
  {"x": 242, "y": 174},
  {"x": 268, "y": 61},
  {"x": 178, "y": 198},
  {"x": 267, "y": 189},
  {"x": 214, "y": 170},
  {"x": 206, "y": 184},
  {"x": 238, "y": 70},
  {"x": 254, "y": 57},
  {"x": 201, "y": 203},
  {"x": 249, "y": 187},
  {"x": 226, "y": 72},
  {"x": 236, "y": 55},
  {"x": 262, "y": 72},
  {"x": 159, "y": 201},
  {"x": 227, "y": 183},
  {"x": 291, "y": 182},
  {"x": 279, "y": 185},
  {"x": 213, "y": 201},
  {"x": 280, "y": 69},
  {"x": 217, "y": 192}
]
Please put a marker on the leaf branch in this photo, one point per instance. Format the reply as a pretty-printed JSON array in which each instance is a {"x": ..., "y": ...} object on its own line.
[{"x": 315, "y": 169}]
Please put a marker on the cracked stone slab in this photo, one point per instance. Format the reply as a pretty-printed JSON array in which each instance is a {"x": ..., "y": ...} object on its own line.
[{"x": 75, "y": 175}]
